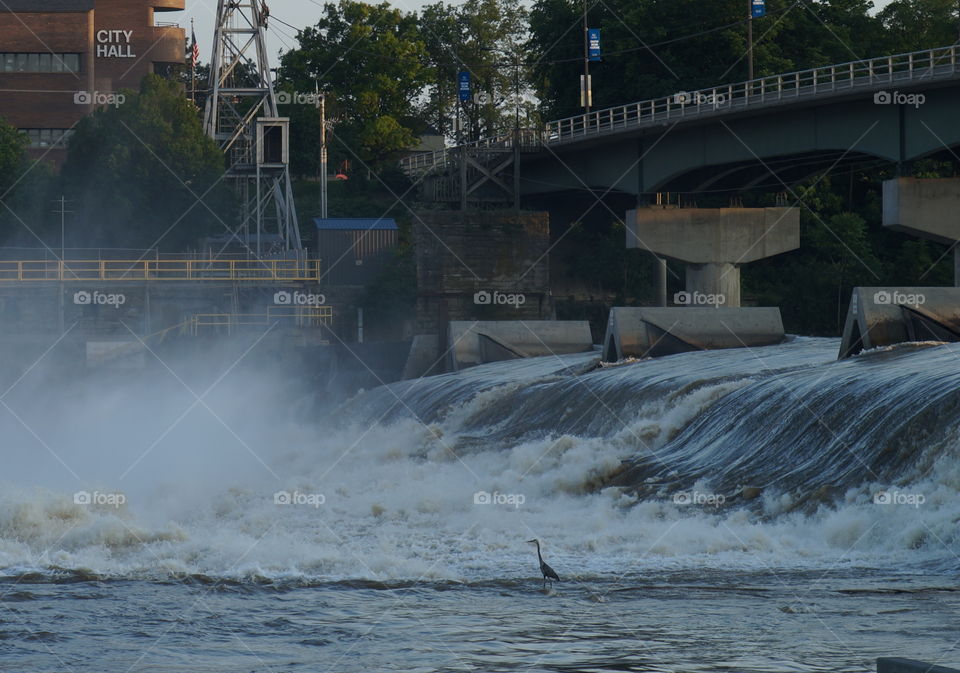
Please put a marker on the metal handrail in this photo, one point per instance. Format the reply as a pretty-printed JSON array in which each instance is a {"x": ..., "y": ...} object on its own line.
[
  {"x": 814, "y": 82},
  {"x": 426, "y": 161},
  {"x": 303, "y": 316},
  {"x": 762, "y": 91},
  {"x": 114, "y": 270}
]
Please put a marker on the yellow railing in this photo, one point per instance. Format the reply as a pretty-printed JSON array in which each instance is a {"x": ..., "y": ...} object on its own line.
[
  {"x": 268, "y": 270},
  {"x": 303, "y": 316}
]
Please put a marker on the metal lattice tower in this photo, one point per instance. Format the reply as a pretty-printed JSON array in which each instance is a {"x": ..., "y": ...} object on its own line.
[{"x": 241, "y": 115}]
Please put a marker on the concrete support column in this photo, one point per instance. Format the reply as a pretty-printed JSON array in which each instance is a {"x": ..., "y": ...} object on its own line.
[
  {"x": 714, "y": 242},
  {"x": 707, "y": 281},
  {"x": 956, "y": 264},
  {"x": 661, "y": 281}
]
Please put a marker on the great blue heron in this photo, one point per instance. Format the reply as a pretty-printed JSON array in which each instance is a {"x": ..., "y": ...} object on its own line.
[{"x": 544, "y": 568}]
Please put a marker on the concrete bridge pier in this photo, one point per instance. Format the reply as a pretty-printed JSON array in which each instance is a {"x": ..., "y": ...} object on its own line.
[
  {"x": 928, "y": 208},
  {"x": 714, "y": 242},
  {"x": 720, "y": 279}
]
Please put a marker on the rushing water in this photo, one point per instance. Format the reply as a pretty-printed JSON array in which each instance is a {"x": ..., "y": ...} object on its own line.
[{"x": 747, "y": 510}]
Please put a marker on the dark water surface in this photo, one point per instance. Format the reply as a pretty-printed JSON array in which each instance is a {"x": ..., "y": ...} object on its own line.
[
  {"x": 753, "y": 510},
  {"x": 835, "y": 620}
]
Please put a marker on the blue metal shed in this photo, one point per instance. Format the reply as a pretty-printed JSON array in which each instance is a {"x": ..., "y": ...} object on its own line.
[{"x": 354, "y": 250}]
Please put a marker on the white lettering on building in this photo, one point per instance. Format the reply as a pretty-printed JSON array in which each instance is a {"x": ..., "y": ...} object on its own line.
[{"x": 114, "y": 44}]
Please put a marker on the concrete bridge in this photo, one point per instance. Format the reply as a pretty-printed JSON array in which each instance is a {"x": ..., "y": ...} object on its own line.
[{"x": 766, "y": 133}]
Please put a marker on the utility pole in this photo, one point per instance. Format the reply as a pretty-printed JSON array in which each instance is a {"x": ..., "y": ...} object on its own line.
[
  {"x": 749, "y": 40},
  {"x": 62, "y": 272},
  {"x": 63, "y": 212},
  {"x": 323, "y": 156},
  {"x": 586, "y": 92},
  {"x": 516, "y": 90}
]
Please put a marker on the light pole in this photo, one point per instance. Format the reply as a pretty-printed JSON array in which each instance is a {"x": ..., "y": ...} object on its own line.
[
  {"x": 323, "y": 156},
  {"x": 749, "y": 40},
  {"x": 62, "y": 201},
  {"x": 323, "y": 150},
  {"x": 586, "y": 90}
]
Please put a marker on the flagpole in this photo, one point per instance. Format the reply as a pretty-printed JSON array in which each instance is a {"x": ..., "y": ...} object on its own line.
[{"x": 193, "y": 65}]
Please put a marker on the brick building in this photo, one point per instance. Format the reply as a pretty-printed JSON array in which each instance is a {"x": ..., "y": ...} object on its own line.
[{"x": 60, "y": 59}]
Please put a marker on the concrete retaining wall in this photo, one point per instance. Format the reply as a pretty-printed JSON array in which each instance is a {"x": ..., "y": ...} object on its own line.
[
  {"x": 473, "y": 343},
  {"x": 653, "y": 332},
  {"x": 883, "y": 316}
]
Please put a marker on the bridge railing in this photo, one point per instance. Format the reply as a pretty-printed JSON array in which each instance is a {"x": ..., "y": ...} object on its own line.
[
  {"x": 301, "y": 316},
  {"x": 272, "y": 270},
  {"x": 871, "y": 73},
  {"x": 423, "y": 162}
]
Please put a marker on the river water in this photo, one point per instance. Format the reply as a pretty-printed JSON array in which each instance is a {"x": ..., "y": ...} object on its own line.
[{"x": 747, "y": 510}]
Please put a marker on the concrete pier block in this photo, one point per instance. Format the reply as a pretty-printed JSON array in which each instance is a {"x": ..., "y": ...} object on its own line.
[
  {"x": 477, "y": 342},
  {"x": 654, "y": 332},
  {"x": 424, "y": 358},
  {"x": 883, "y": 316},
  {"x": 928, "y": 208},
  {"x": 714, "y": 242}
]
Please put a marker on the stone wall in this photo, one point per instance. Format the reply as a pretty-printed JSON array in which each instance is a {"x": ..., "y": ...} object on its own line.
[{"x": 481, "y": 265}]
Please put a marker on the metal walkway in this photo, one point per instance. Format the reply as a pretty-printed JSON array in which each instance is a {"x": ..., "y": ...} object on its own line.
[
  {"x": 132, "y": 271},
  {"x": 879, "y": 75}
]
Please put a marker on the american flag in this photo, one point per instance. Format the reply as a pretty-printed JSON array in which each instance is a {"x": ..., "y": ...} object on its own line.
[{"x": 195, "y": 48}]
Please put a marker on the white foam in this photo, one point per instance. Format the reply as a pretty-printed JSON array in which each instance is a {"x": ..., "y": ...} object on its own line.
[{"x": 398, "y": 500}]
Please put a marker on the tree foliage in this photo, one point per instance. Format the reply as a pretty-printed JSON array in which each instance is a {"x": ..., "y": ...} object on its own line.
[
  {"x": 654, "y": 48},
  {"x": 485, "y": 38},
  {"x": 370, "y": 62},
  {"x": 143, "y": 173},
  {"x": 12, "y": 145}
]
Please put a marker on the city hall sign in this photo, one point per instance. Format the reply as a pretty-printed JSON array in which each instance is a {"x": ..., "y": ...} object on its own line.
[{"x": 114, "y": 44}]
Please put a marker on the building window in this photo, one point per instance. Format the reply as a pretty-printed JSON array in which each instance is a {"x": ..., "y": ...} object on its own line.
[
  {"x": 48, "y": 137},
  {"x": 10, "y": 62}
]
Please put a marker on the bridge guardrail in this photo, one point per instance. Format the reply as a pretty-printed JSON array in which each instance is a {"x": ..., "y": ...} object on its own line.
[
  {"x": 901, "y": 68},
  {"x": 418, "y": 164},
  {"x": 270, "y": 270}
]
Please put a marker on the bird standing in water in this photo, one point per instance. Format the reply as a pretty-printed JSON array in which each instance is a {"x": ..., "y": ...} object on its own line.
[{"x": 544, "y": 568}]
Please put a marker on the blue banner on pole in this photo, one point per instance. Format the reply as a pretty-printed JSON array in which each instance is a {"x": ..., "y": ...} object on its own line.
[
  {"x": 759, "y": 8},
  {"x": 593, "y": 40},
  {"x": 464, "y": 88}
]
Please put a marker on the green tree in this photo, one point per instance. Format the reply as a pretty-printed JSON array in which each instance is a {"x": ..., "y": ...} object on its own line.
[
  {"x": 143, "y": 173},
  {"x": 912, "y": 25},
  {"x": 812, "y": 285},
  {"x": 12, "y": 146},
  {"x": 370, "y": 62},
  {"x": 653, "y": 48},
  {"x": 485, "y": 38}
]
